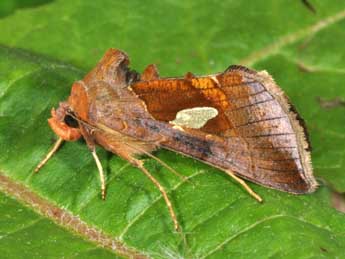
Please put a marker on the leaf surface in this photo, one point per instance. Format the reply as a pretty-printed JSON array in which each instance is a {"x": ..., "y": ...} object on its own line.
[{"x": 25, "y": 234}]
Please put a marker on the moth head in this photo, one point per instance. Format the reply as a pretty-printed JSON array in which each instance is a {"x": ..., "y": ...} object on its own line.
[{"x": 64, "y": 123}]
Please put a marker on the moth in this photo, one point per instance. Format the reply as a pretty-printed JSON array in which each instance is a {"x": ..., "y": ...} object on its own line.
[{"x": 239, "y": 121}]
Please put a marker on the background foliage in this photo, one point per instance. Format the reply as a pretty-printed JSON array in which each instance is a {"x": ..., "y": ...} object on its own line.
[{"x": 46, "y": 45}]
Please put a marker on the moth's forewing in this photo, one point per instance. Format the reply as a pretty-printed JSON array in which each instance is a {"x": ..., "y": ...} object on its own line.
[{"x": 256, "y": 134}]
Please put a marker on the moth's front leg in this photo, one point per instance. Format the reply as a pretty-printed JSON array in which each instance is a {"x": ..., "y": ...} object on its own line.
[
  {"x": 53, "y": 150},
  {"x": 62, "y": 130}
]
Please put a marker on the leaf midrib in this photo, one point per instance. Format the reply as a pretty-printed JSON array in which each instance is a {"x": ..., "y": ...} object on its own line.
[{"x": 65, "y": 218}]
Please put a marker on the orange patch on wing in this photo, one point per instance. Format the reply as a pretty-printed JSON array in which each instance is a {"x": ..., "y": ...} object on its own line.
[{"x": 165, "y": 98}]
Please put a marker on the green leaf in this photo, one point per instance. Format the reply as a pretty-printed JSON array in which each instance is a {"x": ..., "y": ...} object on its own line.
[
  {"x": 9, "y": 6},
  {"x": 45, "y": 49},
  {"x": 25, "y": 234}
]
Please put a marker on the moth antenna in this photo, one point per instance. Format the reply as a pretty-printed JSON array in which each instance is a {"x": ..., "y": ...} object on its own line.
[
  {"x": 100, "y": 126},
  {"x": 101, "y": 172},
  {"x": 245, "y": 186},
  {"x": 139, "y": 164},
  {"x": 159, "y": 161},
  {"x": 108, "y": 130},
  {"x": 56, "y": 146}
]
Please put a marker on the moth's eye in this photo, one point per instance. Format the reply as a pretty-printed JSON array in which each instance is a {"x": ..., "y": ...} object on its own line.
[{"x": 71, "y": 122}]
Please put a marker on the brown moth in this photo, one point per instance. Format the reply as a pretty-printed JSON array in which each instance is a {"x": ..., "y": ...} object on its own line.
[{"x": 239, "y": 121}]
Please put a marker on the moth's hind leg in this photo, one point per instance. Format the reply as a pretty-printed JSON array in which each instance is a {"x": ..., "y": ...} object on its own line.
[
  {"x": 245, "y": 186},
  {"x": 139, "y": 164}
]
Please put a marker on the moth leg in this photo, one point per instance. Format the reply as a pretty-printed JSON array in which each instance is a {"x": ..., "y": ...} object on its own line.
[
  {"x": 92, "y": 146},
  {"x": 61, "y": 129},
  {"x": 245, "y": 186},
  {"x": 182, "y": 177},
  {"x": 139, "y": 164},
  {"x": 136, "y": 147},
  {"x": 56, "y": 146},
  {"x": 100, "y": 171}
]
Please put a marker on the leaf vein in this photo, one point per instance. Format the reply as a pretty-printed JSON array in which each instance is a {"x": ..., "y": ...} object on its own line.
[
  {"x": 174, "y": 188},
  {"x": 257, "y": 223},
  {"x": 291, "y": 38}
]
